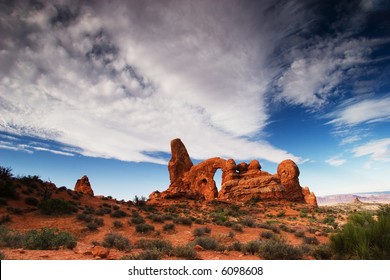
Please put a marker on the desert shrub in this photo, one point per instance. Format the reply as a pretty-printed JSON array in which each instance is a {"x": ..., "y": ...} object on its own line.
[
  {"x": 139, "y": 201},
  {"x": 92, "y": 226},
  {"x": 183, "y": 221},
  {"x": 8, "y": 189},
  {"x": 117, "y": 224},
  {"x": 248, "y": 221},
  {"x": 150, "y": 254},
  {"x": 118, "y": 214},
  {"x": 252, "y": 247},
  {"x": 156, "y": 218},
  {"x": 2, "y": 256},
  {"x": 48, "y": 239},
  {"x": 115, "y": 240},
  {"x": 103, "y": 211},
  {"x": 185, "y": 252},
  {"x": 165, "y": 247},
  {"x": 144, "y": 228},
  {"x": 231, "y": 234},
  {"x": 279, "y": 250},
  {"x": 5, "y": 173},
  {"x": 267, "y": 234},
  {"x": 57, "y": 207},
  {"x": 363, "y": 237},
  {"x": 137, "y": 220},
  {"x": 311, "y": 240},
  {"x": 17, "y": 211},
  {"x": 281, "y": 214},
  {"x": 322, "y": 252},
  {"x": 9, "y": 238},
  {"x": 237, "y": 227},
  {"x": 31, "y": 201},
  {"x": 115, "y": 207},
  {"x": 84, "y": 217},
  {"x": 201, "y": 231},
  {"x": 89, "y": 210},
  {"x": 299, "y": 233},
  {"x": 236, "y": 246},
  {"x": 206, "y": 242},
  {"x": 169, "y": 227}
]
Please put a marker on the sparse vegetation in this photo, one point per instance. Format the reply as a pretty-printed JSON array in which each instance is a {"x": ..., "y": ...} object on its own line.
[
  {"x": 279, "y": 250},
  {"x": 207, "y": 243},
  {"x": 117, "y": 241},
  {"x": 144, "y": 228},
  {"x": 56, "y": 207},
  {"x": 31, "y": 201}
]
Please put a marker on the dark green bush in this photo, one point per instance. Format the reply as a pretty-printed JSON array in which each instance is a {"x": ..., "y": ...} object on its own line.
[
  {"x": 183, "y": 221},
  {"x": 206, "y": 242},
  {"x": 57, "y": 207},
  {"x": 185, "y": 252},
  {"x": 201, "y": 231},
  {"x": 267, "y": 234},
  {"x": 5, "y": 173},
  {"x": 311, "y": 240},
  {"x": 114, "y": 240},
  {"x": 248, "y": 221},
  {"x": 48, "y": 239},
  {"x": 144, "y": 228},
  {"x": 8, "y": 189},
  {"x": 322, "y": 252},
  {"x": 363, "y": 237},
  {"x": 169, "y": 227},
  {"x": 165, "y": 247},
  {"x": 118, "y": 214},
  {"x": 137, "y": 220},
  {"x": 9, "y": 238},
  {"x": 117, "y": 224},
  {"x": 31, "y": 201},
  {"x": 279, "y": 250},
  {"x": 252, "y": 247}
]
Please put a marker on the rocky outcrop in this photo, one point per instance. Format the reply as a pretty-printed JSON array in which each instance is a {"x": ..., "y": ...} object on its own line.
[
  {"x": 84, "y": 186},
  {"x": 240, "y": 182}
]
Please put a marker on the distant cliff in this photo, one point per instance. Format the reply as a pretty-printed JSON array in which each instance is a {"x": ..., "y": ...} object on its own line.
[{"x": 373, "y": 197}]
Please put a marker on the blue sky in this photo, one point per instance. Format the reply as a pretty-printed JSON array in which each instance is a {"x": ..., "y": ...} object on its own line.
[{"x": 100, "y": 89}]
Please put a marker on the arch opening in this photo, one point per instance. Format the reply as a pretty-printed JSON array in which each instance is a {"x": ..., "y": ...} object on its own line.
[{"x": 218, "y": 179}]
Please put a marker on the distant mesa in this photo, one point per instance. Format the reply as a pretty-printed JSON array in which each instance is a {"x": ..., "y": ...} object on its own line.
[
  {"x": 240, "y": 182},
  {"x": 84, "y": 186},
  {"x": 356, "y": 200}
]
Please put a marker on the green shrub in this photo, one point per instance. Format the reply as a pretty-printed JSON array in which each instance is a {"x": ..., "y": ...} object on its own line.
[
  {"x": 118, "y": 214},
  {"x": 201, "y": 231},
  {"x": 150, "y": 254},
  {"x": 144, "y": 228},
  {"x": 137, "y": 220},
  {"x": 363, "y": 237},
  {"x": 156, "y": 218},
  {"x": 185, "y": 252},
  {"x": 237, "y": 246},
  {"x": 31, "y": 201},
  {"x": 279, "y": 250},
  {"x": 57, "y": 207},
  {"x": 311, "y": 240},
  {"x": 92, "y": 226},
  {"x": 165, "y": 247},
  {"x": 114, "y": 240},
  {"x": 169, "y": 227},
  {"x": 322, "y": 252},
  {"x": 8, "y": 189},
  {"x": 2, "y": 256},
  {"x": 183, "y": 221},
  {"x": 117, "y": 224},
  {"x": 252, "y": 247},
  {"x": 5, "y": 173},
  {"x": 248, "y": 221},
  {"x": 267, "y": 234},
  {"x": 9, "y": 238},
  {"x": 237, "y": 227},
  {"x": 206, "y": 242},
  {"x": 299, "y": 233},
  {"x": 48, "y": 239}
]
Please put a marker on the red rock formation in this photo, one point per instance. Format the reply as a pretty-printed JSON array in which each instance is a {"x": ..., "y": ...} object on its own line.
[
  {"x": 84, "y": 186},
  {"x": 356, "y": 200},
  {"x": 240, "y": 182}
]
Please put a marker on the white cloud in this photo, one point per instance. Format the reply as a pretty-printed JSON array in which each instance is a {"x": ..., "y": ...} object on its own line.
[
  {"x": 377, "y": 150},
  {"x": 118, "y": 80},
  {"x": 355, "y": 112},
  {"x": 336, "y": 161}
]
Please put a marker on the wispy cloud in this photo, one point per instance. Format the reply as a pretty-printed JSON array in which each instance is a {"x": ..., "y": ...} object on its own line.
[
  {"x": 336, "y": 161},
  {"x": 356, "y": 112},
  {"x": 377, "y": 150}
]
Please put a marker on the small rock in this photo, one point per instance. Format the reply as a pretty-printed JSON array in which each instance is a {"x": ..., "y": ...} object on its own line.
[
  {"x": 318, "y": 233},
  {"x": 101, "y": 252},
  {"x": 198, "y": 248}
]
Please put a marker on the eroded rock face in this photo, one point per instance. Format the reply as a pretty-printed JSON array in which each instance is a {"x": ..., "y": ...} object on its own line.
[
  {"x": 240, "y": 182},
  {"x": 84, "y": 186}
]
